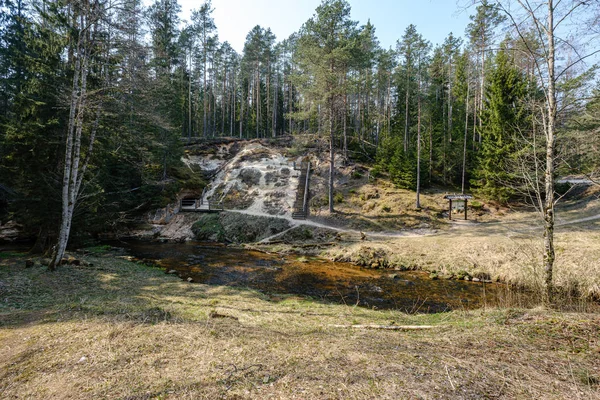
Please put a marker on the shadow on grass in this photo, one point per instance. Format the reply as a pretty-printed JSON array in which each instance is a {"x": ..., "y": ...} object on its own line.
[
  {"x": 108, "y": 287},
  {"x": 121, "y": 290}
]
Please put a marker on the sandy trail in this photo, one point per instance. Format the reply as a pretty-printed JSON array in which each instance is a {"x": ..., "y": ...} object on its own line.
[
  {"x": 488, "y": 228},
  {"x": 297, "y": 223}
]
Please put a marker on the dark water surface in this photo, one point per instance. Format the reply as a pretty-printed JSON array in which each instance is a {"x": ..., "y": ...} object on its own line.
[{"x": 316, "y": 278}]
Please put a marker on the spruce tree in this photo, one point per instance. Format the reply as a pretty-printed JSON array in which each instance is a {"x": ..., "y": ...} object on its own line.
[{"x": 503, "y": 118}]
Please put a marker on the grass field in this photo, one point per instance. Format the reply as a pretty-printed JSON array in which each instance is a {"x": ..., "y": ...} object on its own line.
[
  {"x": 122, "y": 330},
  {"x": 507, "y": 253}
]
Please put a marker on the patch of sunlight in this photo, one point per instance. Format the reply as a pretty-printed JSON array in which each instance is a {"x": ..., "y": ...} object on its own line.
[{"x": 106, "y": 278}]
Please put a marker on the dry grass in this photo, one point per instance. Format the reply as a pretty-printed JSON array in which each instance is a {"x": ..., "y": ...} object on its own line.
[
  {"x": 122, "y": 330},
  {"x": 504, "y": 244},
  {"x": 505, "y": 252},
  {"x": 378, "y": 205}
]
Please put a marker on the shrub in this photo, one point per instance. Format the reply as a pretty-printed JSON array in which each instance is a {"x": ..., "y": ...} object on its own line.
[
  {"x": 476, "y": 205},
  {"x": 338, "y": 197},
  {"x": 376, "y": 172},
  {"x": 209, "y": 228},
  {"x": 356, "y": 175}
]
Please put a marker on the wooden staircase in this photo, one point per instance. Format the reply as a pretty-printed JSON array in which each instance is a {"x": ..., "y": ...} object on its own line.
[{"x": 300, "y": 210}]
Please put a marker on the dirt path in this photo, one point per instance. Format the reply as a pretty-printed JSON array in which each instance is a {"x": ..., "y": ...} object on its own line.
[
  {"x": 367, "y": 234},
  {"x": 579, "y": 221},
  {"x": 485, "y": 228}
]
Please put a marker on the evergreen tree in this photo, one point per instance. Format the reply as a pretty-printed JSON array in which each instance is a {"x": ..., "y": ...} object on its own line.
[
  {"x": 167, "y": 121},
  {"x": 481, "y": 35},
  {"x": 325, "y": 48},
  {"x": 204, "y": 27},
  {"x": 504, "y": 117},
  {"x": 32, "y": 127}
]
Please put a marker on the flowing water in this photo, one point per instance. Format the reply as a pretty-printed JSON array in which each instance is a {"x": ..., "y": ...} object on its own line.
[{"x": 318, "y": 279}]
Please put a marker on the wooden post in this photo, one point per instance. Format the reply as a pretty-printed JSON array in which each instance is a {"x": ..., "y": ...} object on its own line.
[
  {"x": 450, "y": 210},
  {"x": 466, "y": 204}
]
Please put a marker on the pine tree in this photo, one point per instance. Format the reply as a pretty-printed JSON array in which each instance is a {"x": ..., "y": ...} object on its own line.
[
  {"x": 325, "y": 47},
  {"x": 481, "y": 34},
  {"x": 204, "y": 27}
]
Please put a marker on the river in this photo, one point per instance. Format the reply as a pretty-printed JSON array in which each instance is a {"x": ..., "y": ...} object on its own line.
[{"x": 321, "y": 280}]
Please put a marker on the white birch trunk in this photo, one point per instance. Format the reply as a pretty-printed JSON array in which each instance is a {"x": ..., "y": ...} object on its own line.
[{"x": 549, "y": 253}]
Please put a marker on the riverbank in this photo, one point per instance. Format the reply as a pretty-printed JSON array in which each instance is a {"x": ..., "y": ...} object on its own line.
[
  {"x": 118, "y": 329},
  {"x": 508, "y": 251},
  {"x": 376, "y": 224}
]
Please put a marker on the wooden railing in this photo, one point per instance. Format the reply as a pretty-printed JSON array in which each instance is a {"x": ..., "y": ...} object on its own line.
[
  {"x": 300, "y": 210},
  {"x": 200, "y": 205}
]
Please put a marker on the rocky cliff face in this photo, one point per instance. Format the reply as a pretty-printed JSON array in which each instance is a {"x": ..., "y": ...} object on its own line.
[
  {"x": 259, "y": 182},
  {"x": 254, "y": 178}
]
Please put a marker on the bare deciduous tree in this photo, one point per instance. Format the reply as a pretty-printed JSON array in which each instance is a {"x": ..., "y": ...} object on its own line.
[
  {"x": 86, "y": 17},
  {"x": 552, "y": 22}
]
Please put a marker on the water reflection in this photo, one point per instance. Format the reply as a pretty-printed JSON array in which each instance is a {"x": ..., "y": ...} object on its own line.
[{"x": 322, "y": 280}]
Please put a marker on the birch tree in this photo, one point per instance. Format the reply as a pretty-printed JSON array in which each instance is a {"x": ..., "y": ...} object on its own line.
[
  {"x": 555, "y": 24},
  {"x": 86, "y": 17}
]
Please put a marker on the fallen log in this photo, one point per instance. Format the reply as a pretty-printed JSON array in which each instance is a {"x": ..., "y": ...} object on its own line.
[
  {"x": 387, "y": 327},
  {"x": 257, "y": 249}
]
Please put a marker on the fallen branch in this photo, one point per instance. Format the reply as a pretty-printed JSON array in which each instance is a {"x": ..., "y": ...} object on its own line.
[
  {"x": 257, "y": 249},
  {"x": 274, "y": 242},
  {"x": 214, "y": 314},
  {"x": 387, "y": 327},
  {"x": 309, "y": 245}
]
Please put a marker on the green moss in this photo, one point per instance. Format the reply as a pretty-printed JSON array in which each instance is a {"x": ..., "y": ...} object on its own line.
[
  {"x": 248, "y": 228},
  {"x": 209, "y": 228},
  {"x": 100, "y": 249},
  {"x": 10, "y": 254},
  {"x": 188, "y": 179}
]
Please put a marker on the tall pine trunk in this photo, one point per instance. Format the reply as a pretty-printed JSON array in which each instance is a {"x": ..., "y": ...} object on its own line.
[
  {"x": 418, "y": 202},
  {"x": 464, "y": 168},
  {"x": 204, "y": 96},
  {"x": 242, "y": 102},
  {"x": 406, "y": 114},
  {"x": 331, "y": 144}
]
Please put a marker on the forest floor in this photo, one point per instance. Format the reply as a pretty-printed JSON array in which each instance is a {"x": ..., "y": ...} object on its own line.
[{"x": 123, "y": 330}]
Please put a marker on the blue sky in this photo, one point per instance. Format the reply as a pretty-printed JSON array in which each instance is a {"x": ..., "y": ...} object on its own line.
[{"x": 434, "y": 19}]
